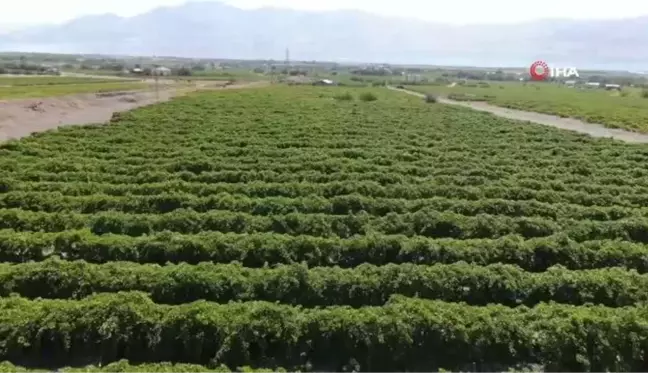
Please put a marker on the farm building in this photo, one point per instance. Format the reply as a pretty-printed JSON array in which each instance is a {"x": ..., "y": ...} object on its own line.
[
  {"x": 570, "y": 83},
  {"x": 52, "y": 70},
  {"x": 593, "y": 85},
  {"x": 324, "y": 82},
  {"x": 613, "y": 86},
  {"x": 413, "y": 78},
  {"x": 163, "y": 71}
]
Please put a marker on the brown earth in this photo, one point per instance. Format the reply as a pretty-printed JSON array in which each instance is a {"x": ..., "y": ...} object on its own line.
[{"x": 19, "y": 118}]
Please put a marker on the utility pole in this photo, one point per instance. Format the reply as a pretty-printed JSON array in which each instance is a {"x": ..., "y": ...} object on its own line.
[
  {"x": 156, "y": 77},
  {"x": 287, "y": 67}
]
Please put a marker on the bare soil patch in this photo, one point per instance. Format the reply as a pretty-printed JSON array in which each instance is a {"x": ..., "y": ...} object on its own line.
[{"x": 19, "y": 118}]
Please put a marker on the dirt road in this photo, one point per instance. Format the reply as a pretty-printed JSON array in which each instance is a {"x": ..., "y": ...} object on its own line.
[
  {"x": 103, "y": 77},
  {"x": 595, "y": 130}
]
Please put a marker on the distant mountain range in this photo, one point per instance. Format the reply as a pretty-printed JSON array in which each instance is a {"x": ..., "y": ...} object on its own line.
[
  {"x": 6, "y": 28},
  {"x": 216, "y": 30}
]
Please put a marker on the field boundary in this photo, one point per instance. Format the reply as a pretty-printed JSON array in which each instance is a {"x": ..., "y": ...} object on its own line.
[
  {"x": 21, "y": 117},
  {"x": 571, "y": 124}
]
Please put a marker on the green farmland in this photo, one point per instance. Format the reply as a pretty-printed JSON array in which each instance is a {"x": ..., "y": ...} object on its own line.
[
  {"x": 12, "y": 87},
  {"x": 627, "y": 109},
  {"x": 321, "y": 229}
]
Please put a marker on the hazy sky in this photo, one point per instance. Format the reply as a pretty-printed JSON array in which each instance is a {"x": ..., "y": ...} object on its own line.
[{"x": 450, "y": 11}]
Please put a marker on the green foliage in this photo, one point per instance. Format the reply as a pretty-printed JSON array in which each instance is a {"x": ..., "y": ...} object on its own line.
[
  {"x": 468, "y": 97},
  {"x": 627, "y": 111},
  {"x": 255, "y": 250},
  {"x": 15, "y": 81},
  {"x": 346, "y": 96},
  {"x": 368, "y": 96},
  {"x": 183, "y": 71},
  {"x": 325, "y": 286},
  {"x": 51, "y": 88},
  {"x": 124, "y": 366},
  {"x": 371, "y": 338},
  {"x": 273, "y": 228}
]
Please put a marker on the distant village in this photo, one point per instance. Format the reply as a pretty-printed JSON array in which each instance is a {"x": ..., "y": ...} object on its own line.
[
  {"x": 592, "y": 85},
  {"x": 295, "y": 72}
]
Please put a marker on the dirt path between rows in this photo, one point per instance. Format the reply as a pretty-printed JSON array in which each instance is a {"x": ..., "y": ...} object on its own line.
[
  {"x": 20, "y": 118},
  {"x": 594, "y": 130}
]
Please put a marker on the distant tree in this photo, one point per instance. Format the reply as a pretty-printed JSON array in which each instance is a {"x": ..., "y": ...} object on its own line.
[
  {"x": 113, "y": 67},
  {"x": 430, "y": 99},
  {"x": 595, "y": 79},
  {"x": 368, "y": 96},
  {"x": 183, "y": 71}
]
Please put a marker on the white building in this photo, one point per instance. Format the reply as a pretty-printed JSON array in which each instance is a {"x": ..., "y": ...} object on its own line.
[
  {"x": 324, "y": 82},
  {"x": 163, "y": 71}
]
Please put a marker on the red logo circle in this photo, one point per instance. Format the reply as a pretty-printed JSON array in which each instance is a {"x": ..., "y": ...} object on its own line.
[{"x": 539, "y": 70}]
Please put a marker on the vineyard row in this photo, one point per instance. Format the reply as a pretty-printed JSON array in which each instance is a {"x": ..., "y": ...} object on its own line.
[
  {"x": 390, "y": 161},
  {"x": 405, "y": 161},
  {"x": 325, "y": 286},
  {"x": 125, "y": 366},
  {"x": 615, "y": 197},
  {"x": 282, "y": 139},
  {"x": 255, "y": 250},
  {"x": 457, "y": 177},
  {"x": 338, "y": 205},
  {"x": 213, "y": 171},
  {"x": 274, "y": 138},
  {"x": 425, "y": 223},
  {"x": 396, "y": 337}
]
